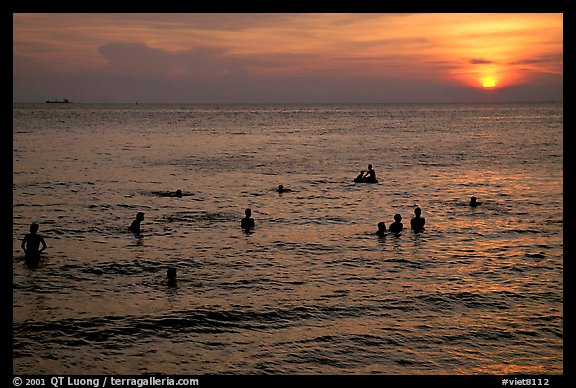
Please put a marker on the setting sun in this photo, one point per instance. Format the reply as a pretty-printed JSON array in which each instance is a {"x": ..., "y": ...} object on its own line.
[
  {"x": 488, "y": 83},
  {"x": 287, "y": 57}
]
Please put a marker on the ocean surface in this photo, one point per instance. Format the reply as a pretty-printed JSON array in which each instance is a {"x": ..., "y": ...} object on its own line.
[{"x": 312, "y": 289}]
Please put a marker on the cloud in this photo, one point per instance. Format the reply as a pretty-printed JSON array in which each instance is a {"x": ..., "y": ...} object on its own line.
[
  {"x": 138, "y": 60},
  {"x": 278, "y": 57},
  {"x": 545, "y": 59},
  {"x": 479, "y": 61}
]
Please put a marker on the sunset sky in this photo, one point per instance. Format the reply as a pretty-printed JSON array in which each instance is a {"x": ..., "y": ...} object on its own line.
[{"x": 288, "y": 58}]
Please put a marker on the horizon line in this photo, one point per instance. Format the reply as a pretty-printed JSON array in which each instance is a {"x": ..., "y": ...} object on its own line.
[{"x": 295, "y": 103}]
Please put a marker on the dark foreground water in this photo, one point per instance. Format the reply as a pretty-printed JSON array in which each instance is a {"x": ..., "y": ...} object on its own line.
[{"x": 312, "y": 290}]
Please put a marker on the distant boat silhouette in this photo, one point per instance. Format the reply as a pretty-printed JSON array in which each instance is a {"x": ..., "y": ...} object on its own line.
[{"x": 64, "y": 101}]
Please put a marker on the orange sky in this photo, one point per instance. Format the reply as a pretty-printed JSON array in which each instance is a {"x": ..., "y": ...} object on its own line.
[{"x": 231, "y": 50}]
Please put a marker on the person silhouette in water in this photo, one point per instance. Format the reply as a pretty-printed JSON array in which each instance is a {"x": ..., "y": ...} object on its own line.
[
  {"x": 281, "y": 189},
  {"x": 135, "y": 226},
  {"x": 359, "y": 177},
  {"x": 370, "y": 174},
  {"x": 367, "y": 176},
  {"x": 178, "y": 193},
  {"x": 381, "y": 232},
  {"x": 31, "y": 243},
  {"x": 474, "y": 202},
  {"x": 417, "y": 223},
  {"x": 171, "y": 276},
  {"x": 247, "y": 222},
  {"x": 397, "y": 226}
]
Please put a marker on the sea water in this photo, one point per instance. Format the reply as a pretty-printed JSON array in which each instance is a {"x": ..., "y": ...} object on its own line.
[{"x": 312, "y": 289}]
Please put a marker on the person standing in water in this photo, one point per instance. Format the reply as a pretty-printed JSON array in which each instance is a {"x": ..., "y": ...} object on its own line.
[
  {"x": 417, "y": 223},
  {"x": 135, "y": 226},
  {"x": 171, "y": 276},
  {"x": 31, "y": 243},
  {"x": 247, "y": 222},
  {"x": 397, "y": 226},
  {"x": 381, "y": 232},
  {"x": 474, "y": 202}
]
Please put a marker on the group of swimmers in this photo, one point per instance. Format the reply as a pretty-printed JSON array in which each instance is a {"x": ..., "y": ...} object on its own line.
[
  {"x": 33, "y": 244},
  {"x": 417, "y": 224}
]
